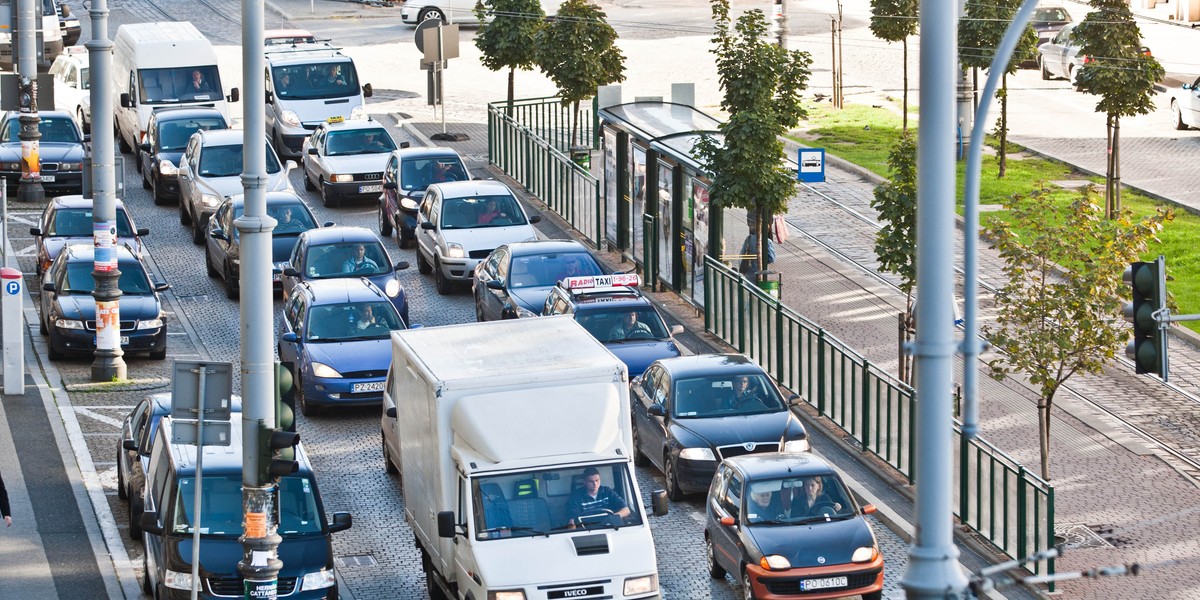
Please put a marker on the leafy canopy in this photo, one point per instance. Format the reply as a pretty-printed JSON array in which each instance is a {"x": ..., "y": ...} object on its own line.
[
  {"x": 507, "y": 40},
  {"x": 982, "y": 28},
  {"x": 576, "y": 50},
  {"x": 894, "y": 20},
  {"x": 896, "y": 201},
  {"x": 1118, "y": 71}
]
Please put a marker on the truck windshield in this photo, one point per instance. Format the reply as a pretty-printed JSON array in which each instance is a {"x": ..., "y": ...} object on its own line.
[
  {"x": 221, "y": 506},
  {"x": 533, "y": 503},
  {"x": 315, "y": 81},
  {"x": 179, "y": 84}
]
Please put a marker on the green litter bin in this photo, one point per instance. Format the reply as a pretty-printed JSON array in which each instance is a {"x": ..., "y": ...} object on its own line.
[
  {"x": 582, "y": 156},
  {"x": 770, "y": 287}
]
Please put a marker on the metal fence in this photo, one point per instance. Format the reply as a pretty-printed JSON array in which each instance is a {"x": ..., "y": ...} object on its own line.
[
  {"x": 997, "y": 497},
  {"x": 550, "y": 121}
]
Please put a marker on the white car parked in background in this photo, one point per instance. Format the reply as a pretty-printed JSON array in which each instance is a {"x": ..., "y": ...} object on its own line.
[
  {"x": 72, "y": 85},
  {"x": 1185, "y": 105}
]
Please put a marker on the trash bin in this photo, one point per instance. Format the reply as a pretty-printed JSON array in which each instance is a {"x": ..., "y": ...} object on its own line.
[
  {"x": 582, "y": 156},
  {"x": 770, "y": 287}
]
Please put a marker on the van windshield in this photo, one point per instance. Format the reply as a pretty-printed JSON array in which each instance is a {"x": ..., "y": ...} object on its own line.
[
  {"x": 315, "y": 81},
  {"x": 177, "y": 85},
  {"x": 221, "y": 506}
]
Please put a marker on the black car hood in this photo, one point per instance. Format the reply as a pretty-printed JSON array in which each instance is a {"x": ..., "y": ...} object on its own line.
[
  {"x": 531, "y": 299},
  {"x": 806, "y": 545},
  {"x": 219, "y": 556},
  {"x": 282, "y": 245},
  {"x": 83, "y": 307},
  {"x": 725, "y": 431},
  {"x": 172, "y": 155},
  {"x": 50, "y": 151}
]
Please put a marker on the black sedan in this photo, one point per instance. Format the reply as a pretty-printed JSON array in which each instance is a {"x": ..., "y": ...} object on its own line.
[
  {"x": 692, "y": 412},
  {"x": 167, "y": 135},
  {"x": 68, "y": 220},
  {"x": 516, "y": 278},
  {"x": 345, "y": 252},
  {"x": 785, "y": 525},
  {"x": 223, "y": 248},
  {"x": 406, "y": 175},
  {"x": 60, "y": 152},
  {"x": 69, "y": 310}
]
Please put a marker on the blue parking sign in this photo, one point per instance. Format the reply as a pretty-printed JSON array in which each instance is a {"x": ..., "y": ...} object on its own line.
[{"x": 13, "y": 288}]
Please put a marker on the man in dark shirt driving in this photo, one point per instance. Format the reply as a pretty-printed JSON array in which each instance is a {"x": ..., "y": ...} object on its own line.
[{"x": 594, "y": 499}]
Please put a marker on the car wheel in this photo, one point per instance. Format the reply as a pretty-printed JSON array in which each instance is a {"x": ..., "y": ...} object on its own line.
[
  {"x": 387, "y": 458},
  {"x": 159, "y": 198},
  {"x": 137, "y": 161},
  {"x": 873, "y": 596},
  {"x": 42, "y": 327},
  {"x": 423, "y": 266},
  {"x": 385, "y": 226},
  {"x": 125, "y": 148},
  {"x": 50, "y": 343},
  {"x": 122, "y": 493},
  {"x": 135, "y": 515},
  {"x": 185, "y": 217},
  {"x": 212, "y": 270},
  {"x": 308, "y": 184},
  {"x": 1175, "y": 112},
  {"x": 747, "y": 589},
  {"x": 444, "y": 286},
  {"x": 231, "y": 284},
  {"x": 197, "y": 232},
  {"x": 430, "y": 13},
  {"x": 435, "y": 592},
  {"x": 674, "y": 493},
  {"x": 715, "y": 570},
  {"x": 327, "y": 197},
  {"x": 87, "y": 127},
  {"x": 1045, "y": 73},
  {"x": 145, "y": 180},
  {"x": 159, "y": 354},
  {"x": 307, "y": 408},
  {"x": 146, "y": 576},
  {"x": 639, "y": 459},
  {"x": 479, "y": 318}
]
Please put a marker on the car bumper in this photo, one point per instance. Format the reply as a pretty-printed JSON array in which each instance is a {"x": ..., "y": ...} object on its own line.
[
  {"x": 355, "y": 189},
  {"x": 80, "y": 341},
  {"x": 694, "y": 476},
  {"x": 63, "y": 182},
  {"x": 340, "y": 391},
  {"x": 330, "y": 592},
  {"x": 459, "y": 269},
  {"x": 168, "y": 186},
  {"x": 408, "y": 14},
  {"x": 860, "y": 579},
  {"x": 293, "y": 139}
]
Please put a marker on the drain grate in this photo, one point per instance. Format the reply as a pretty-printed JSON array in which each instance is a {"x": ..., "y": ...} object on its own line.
[
  {"x": 1079, "y": 536},
  {"x": 356, "y": 560}
]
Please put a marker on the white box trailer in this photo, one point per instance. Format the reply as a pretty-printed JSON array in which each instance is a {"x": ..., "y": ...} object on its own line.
[{"x": 501, "y": 426}]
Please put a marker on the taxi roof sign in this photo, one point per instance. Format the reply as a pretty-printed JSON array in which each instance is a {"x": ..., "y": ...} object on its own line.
[{"x": 616, "y": 282}]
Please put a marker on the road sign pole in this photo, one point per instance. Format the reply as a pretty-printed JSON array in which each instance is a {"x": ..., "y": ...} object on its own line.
[{"x": 201, "y": 372}]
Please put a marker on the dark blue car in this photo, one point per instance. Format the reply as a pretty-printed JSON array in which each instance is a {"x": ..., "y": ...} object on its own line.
[
  {"x": 167, "y": 135},
  {"x": 337, "y": 333},
  {"x": 345, "y": 252},
  {"x": 515, "y": 279}
]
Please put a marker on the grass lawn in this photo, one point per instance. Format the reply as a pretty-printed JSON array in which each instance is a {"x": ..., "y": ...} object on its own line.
[{"x": 864, "y": 135}]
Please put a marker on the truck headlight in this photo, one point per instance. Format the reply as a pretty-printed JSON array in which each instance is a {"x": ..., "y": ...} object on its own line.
[
  {"x": 392, "y": 289},
  {"x": 320, "y": 579},
  {"x": 797, "y": 446},
  {"x": 864, "y": 554},
  {"x": 289, "y": 118},
  {"x": 358, "y": 112},
  {"x": 210, "y": 200},
  {"x": 166, "y": 167},
  {"x": 68, "y": 324},
  {"x": 150, "y": 324},
  {"x": 455, "y": 250},
  {"x": 177, "y": 580},
  {"x": 11, "y": 166},
  {"x": 326, "y": 371},
  {"x": 774, "y": 562},
  {"x": 697, "y": 454},
  {"x": 641, "y": 585},
  {"x": 507, "y": 595}
]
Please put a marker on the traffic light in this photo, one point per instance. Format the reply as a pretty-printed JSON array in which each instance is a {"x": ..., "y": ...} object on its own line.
[
  {"x": 285, "y": 396},
  {"x": 1148, "y": 350},
  {"x": 277, "y": 446}
]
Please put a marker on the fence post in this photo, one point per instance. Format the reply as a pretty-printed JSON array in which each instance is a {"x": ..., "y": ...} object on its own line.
[
  {"x": 1022, "y": 518},
  {"x": 964, "y": 472},
  {"x": 865, "y": 411},
  {"x": 741, "y": 314},
  {"x": 778, "y": 306},
  {"x": 821, "y": 371},
  {"x": 1050, "y": 531}
]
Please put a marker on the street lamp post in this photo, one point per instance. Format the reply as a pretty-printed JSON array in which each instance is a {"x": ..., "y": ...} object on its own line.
[{"x": 30, "y": 188}]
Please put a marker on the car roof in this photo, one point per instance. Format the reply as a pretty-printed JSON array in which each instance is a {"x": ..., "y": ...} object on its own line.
[
  {"x": 161, "y": 403},
  {"x": 426, "y": 152},
  {"x": 339, "y": 233},
  {"x": 545, "y": 247},
  {"x": 474, "y": 187},
  {"x": 214, "y": 137},
  {"x": 598, "y": 300},
  {"x": 709, "y": 364},
  {"x": 77, "y": 201},
  {"x": 42, "y": 114},
  {"x": 273, "y": 198},
  {"x": 341, "y": 290},
  {"x": 185, "y": 112},
  {"x": 767, "y": 465},
  {"x": 86, "y": 252},
  {"x": 353, "y": 125},
  {"x": 219, "y": 459}
]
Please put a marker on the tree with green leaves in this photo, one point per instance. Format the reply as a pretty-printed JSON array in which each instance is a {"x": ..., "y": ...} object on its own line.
[
  {"x": 979, "y": 34},
  {"x": 896, "y": 242},
  {"x": 762, "y": 84},
  {"x": 1060, "y": 312},
  {"x": 894, "y": 21},
  {"x": 507, "y": 40},
  {"x": 577, "y": 51},
  {"x": 1121, "y": 74}
]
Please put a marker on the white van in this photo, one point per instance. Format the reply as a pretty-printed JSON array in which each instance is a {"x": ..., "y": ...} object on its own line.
[
  {"x": 52, "y": 41},
  {"x": 158, "y": 65},
  {"x": 309, "y": 84}
]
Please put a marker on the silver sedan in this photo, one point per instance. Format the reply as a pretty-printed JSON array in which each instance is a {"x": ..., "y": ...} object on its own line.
[{"x": 345, "y": 160}]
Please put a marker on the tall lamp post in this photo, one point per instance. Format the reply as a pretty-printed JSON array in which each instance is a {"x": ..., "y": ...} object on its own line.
[{"x": 28, "y": 20}]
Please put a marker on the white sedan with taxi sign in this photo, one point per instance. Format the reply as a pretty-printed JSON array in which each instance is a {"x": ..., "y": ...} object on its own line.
[{"x": 345, "y": 160}]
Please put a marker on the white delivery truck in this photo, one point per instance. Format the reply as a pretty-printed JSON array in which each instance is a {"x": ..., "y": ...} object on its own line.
[
  {"x": 50, "y": 33},
  {"x": 516, "y": 459},
  {"x": 159, "y": 65},
  {"x": 309, "y": 83}
]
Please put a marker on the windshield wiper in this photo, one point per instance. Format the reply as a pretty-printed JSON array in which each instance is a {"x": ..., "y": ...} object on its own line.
[
  {"x": 770, "y": 522},
  {"x": 514, "y": 530}
]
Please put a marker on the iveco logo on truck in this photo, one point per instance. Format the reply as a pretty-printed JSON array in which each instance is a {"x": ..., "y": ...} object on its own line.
[{"x": 575, "y": 593}]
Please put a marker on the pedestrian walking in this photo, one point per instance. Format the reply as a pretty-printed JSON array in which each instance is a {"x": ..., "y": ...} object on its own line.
[{"x": 4, "y": 508}]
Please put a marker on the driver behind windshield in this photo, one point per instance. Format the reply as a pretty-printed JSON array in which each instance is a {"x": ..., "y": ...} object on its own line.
[
  {"x": 359, "y": 262},
  {"x": 628, "y": 327},
  {"x": 593, "y": 499},
  {"x": 813, "y": 500},
  {"x": 747, "y": 395}
]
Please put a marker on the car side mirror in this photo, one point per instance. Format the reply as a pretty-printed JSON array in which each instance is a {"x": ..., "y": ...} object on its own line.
[
  {"x": 66, "y": 10},
  {"x": 368, "y": 91},
  {"x": 290, "y": 337},
  {"x": 48, "y": 286},
  {"x": 162, "y": 287},
  {"x": 150, "y": 524},
  {"x": 234, "y": 95},
  {"x": 676, "y": 329},
  {"x": 131, "y": 445},
  {"x": 144, "y": 146},
  {"x": 341, "y": 522},
  {"x": 794, "y": 399},
  {"x": 869, "y": 509},
  {"x": 391, "y": 412},
  {"x": 656, "y": 410},
  {"x": 391, "y": 185},
  {"x": 495, "y": 284},
  {"x": 400, "y": 266},
  {"x": 446, "y": 526},
  {"x": 143, "y": 231},
  {"x": 126, "y": 100},
  {"x": 658, "y": 502},
  {"x": 405, "y": 144},
  {"x": 312, "y": 151},
  {"x": 427, "y": 225},
  {"x": 35, "y": 231},
  {"x": 291, "y": 272},
  {"x": 218, "y": 234},
  {"x": 535, "y": 219},
  {"x": 327, "y": 224},
  {"x": 728, "y": 521},
  {"x": 270, "y": 98},
  {"x": 289, "y": 165}
]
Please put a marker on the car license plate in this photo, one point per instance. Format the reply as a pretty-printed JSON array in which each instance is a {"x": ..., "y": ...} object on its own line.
[
  {"x": 367, "y": 189},
  {"x": 374, "y": 386},
  {"x": 48, "y": 178},
  {"x": 822, "y": 584},
  {"x": 124, "y": 340}
]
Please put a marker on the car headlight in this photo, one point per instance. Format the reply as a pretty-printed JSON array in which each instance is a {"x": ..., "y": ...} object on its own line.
[
  {"x": 210, "y": 200},
  {"x": 289, "y": 118},
  {"x": 774, "y": 562},
  {"x": 405, "y": 203},
  {"x": 177, "y": 580},
  {"x": 392, "y": 289},
  {"x": 358, "y": 112},
  {"x": 11, "y": 166},
  {"x": 641, "y": 585},
  {"x": 523, "y": 313},
  {"x": 697, "y": 454},
  {"x": 326, "y": 371},
  {"x": 797, "y": 446},
  {"x": 168, "y": 168},
  {"x": 315, "y": 581},
  {"x": 150, "y": 324},
  {"x": 864, "y": 554},
  {"x": 343, "y": 178},
  {"x": 68, "y": 324},
  {"x": 454, "y": 250},
  {"x": 70, "y": 166}
]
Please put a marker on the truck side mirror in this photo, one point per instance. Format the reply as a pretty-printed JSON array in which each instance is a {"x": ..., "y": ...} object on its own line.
[
  {"x": 391, "y": 185},
  {"x": 368, "y": 91},
  {"x": 446, "y": 526},
  {"x": 234, "y": 95},
  {"x": 270, "y": 97},
  {"x": 126, "y": 100},
  {"x": 658, "y": 501},
  {"x": 341, "y": 522},
  {"x": 144, "y": 146},
  {"x": 130, "y": 444},
  {"x": 150, "y": 524}
]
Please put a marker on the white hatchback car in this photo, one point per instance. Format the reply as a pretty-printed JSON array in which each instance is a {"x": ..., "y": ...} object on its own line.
[
  {"x": 72, "y": 86},
  {"x": 1185, "y": 105},
  {"x": 461, "y": 222}
]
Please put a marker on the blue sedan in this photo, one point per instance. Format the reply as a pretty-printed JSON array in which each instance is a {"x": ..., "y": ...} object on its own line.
[
  {"x": 337, "y": 333},
  {"x": 344, "y": 252}
]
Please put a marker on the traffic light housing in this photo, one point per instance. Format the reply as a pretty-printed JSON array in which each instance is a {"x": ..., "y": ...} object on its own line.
[
  {"x": 277, "y": 445},
  {"x": 285, "y": 396},
  {"x": 1148, "y": 284}
]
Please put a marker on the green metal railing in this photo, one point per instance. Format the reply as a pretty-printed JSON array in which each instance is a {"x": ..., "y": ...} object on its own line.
[
  {"x": 550, "y": 121},
  {"x": 544, "y": 169},
  {"x": 997, "y": 497}
]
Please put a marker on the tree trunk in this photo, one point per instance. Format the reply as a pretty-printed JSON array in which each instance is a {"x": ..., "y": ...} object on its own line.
[
  {"x": 574, "y": 122},
  {"x": 511, "y": 74},
  {"x": 1044, "y": 405},
  {"x": 1109, "y": 213},
  {"x": 762, "y": 216},
  {"x": 1003, "y": 125},
  {"x": 1116, "y": 165},
  {"x": 904, "y": 103}
]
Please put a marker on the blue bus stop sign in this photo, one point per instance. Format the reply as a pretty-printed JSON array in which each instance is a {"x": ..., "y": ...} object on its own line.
[{"x": 812, "y": 165}]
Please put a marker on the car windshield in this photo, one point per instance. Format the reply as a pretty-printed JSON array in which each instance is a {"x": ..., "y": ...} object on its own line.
[
  {"x": 53, "y": 129},
  {"x": 77, "y": 222},
  {"x": 418, "y": 173},
  {"x": 352, "y": 321},
  {"x": 314, "y": 81},
  {"x": 725, "y": 396},
  {"x": 481, "y": 211},
  {"x": 551, "y": 501},
  {"x": 291, "y": 218},
  {"x": 539, "y": 270},
  {"x": 174, "y": 135},
  {"x": 348, "y": 259},
  {"x": 616, "y": 325},
  {"x": 796, "y": 500},
  {"x": 226, "y": 161},
  {"x": 179, "y": 84},
  {"x": 221, "y": 506},
  {"x": 78, "y": 280},
  {"x": 1050, "y": 15},
  {"x": 358, "y": 141}
]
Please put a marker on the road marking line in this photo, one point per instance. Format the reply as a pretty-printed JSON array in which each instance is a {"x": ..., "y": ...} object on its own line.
[
  {"x": 97, "y": 416},
  {"x": 29, "y": 250}
]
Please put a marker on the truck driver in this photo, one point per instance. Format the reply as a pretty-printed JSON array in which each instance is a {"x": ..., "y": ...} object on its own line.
[{"x": 593, "y": 499}]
